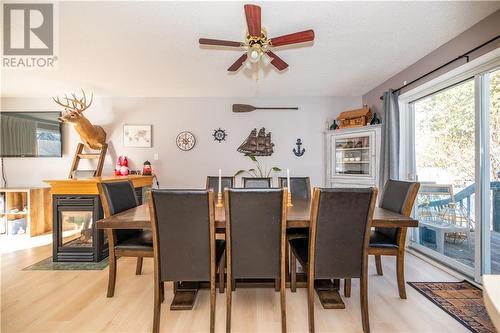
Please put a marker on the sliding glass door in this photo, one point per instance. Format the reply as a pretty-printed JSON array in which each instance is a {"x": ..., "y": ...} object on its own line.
[
  {"x": 445, "y": 158},
  {"x": 453, "y": 149}
]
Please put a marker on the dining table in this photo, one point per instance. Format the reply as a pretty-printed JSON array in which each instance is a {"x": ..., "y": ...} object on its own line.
[{"x": 298, "y": 216}]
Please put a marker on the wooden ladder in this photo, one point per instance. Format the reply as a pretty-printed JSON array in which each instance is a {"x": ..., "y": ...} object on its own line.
[{"x": 79, "y": 155}]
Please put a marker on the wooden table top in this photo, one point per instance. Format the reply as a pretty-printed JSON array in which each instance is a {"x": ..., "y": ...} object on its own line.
[
  {"x": 491, "y": 295},
  {"x": 298, "y": 216}
]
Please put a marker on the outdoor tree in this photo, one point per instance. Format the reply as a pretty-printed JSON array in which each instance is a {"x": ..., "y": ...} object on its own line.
[{"x": 445, "y": 131}]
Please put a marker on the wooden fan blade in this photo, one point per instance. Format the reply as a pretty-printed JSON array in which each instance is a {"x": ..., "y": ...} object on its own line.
[
  {"x": 297, "y": 37},
  {"x": 252, "y": 13},
  {"x": 238, "y": 63},
  {"x": 218, "y": 42},
  {"x": 277, "y": 61}
]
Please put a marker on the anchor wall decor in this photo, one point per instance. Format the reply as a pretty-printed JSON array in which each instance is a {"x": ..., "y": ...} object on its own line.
[{"x": 297, "y": 151}]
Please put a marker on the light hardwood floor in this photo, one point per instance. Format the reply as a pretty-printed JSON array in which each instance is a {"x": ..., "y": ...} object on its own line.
[{"x": 75, "y": 301}]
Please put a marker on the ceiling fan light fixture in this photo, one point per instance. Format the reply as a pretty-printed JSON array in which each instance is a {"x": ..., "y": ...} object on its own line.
[
  {"x": 254, "y": 54},
  {"x": 266, "y": 60}
]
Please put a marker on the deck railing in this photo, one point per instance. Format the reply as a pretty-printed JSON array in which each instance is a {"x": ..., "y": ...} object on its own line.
[{"x": 464, "y": 199}]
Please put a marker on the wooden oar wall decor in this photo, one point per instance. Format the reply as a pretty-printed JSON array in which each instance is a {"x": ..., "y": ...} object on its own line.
[{"x": 249, "y": 108}]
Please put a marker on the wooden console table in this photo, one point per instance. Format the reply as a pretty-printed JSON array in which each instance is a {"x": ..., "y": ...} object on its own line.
[{"x": 76, "y": 206}]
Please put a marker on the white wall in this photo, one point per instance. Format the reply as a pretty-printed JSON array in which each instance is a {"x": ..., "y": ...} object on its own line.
[{"x": 201, "y": 116}]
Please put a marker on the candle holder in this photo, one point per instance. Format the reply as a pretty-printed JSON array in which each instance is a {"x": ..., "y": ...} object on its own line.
[
  {"x": 289, "y": 200},
  {"x": 219, "y": 200}
]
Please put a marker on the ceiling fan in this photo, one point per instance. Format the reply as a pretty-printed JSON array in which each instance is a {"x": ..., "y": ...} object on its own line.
[{"x": 257, "y": 44}]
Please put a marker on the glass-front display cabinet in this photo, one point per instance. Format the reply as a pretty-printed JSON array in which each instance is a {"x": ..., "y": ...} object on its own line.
[{"x": 353, "y": 157}]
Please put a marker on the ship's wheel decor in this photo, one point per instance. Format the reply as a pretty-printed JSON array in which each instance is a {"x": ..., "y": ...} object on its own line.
[
  {"x": 185, "y": 141},
  {"x": 219, "y": 135},
  {"x": 257, "y": 144},
  {"x": 257, "y": 45}
]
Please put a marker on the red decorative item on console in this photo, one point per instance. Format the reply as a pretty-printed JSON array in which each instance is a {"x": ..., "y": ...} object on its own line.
[
  {"x": 121, "y": 166},
  {"x": 147, "y": 170}
]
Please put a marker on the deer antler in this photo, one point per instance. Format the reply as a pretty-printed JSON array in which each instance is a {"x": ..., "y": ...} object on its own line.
[{"x": 74, "y": 103}]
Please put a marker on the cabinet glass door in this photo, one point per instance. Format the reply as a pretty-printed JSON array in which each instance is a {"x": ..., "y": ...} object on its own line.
[{"x": 353, "y": 156}]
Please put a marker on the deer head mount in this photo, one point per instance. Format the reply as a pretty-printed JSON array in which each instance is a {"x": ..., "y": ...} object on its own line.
[{"x": 92, "y": 136}]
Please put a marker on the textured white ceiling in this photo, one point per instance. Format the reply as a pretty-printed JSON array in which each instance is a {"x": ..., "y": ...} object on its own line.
[{"x": 151, "y": 48}]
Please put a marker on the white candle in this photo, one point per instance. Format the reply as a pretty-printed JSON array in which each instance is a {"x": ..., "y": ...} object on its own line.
[
  {"x": 288, "y": 179},
  {"x": 220, "y": 180}
]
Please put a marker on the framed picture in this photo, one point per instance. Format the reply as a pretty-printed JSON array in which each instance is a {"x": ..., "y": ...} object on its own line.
[{"x": 137, "y": 136}]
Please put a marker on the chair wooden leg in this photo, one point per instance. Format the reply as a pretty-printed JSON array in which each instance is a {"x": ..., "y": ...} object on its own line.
[
  {"x": 310, "y": 303},
  {"x": 293, "y": 272},
  {"x": 157, "y": 305},
  {"x": 213, "y": 297},
  {"x": 400, "y": 268},
  {"x": 364, "y": 303},
  {"x": 277, "y": 284},
  {"x": 287, "y": 259},
  {"x": 378, "y": 264},
  {"x": 174, "y": 286},
  {"x": 283, "y": 303},
  {"x": 229, "y": 292},
  {"x": 347, "y": 287},
  {"x": 221, "y": 275},
  {"x": 233, "y": 284},
  {"x": 112, "y": 275},
  {"x": 138, "y": 267},
  {"x": 162, "y": 291}
]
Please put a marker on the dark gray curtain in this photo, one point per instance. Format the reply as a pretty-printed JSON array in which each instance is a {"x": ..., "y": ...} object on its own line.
[{"x": 389, "y": 154}]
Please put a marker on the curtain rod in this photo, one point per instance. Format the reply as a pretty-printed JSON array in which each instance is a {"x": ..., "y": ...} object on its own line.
[{"x": 465, "y": 55}]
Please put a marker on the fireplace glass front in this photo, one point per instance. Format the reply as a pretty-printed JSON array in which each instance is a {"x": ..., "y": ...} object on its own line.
[{"x": 77, "y": 228}]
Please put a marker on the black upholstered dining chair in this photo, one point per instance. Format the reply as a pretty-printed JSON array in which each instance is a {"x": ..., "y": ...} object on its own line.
[
  {"x": 254, "y": 182},
  {"x": 185, "y": 248},
  {"x": 116, "y": 197},
  {"x": 213, "y": 183},
  {"x": 300, "y": 187},
  {"x": 250, "y": 214},
  {"x": 398, "y": 196},
  {"x": 338, "y": 243}
]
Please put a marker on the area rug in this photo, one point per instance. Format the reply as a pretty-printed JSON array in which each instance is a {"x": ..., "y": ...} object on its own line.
[
  {"x": 461, "y": 300},
  {"x": 48, "y": 265}
]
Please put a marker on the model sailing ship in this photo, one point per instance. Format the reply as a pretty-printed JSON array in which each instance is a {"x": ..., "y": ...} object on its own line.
[{"x": 257, "y": 144}]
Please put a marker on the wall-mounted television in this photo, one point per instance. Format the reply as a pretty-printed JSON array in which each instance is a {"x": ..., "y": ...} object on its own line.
[{"x": 30, "y": 134}]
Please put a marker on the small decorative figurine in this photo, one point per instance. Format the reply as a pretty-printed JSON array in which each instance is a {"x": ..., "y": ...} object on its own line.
[
  {"x": 219, "y": 135},
  {"x": 375, "y": 120},
  {"x": 297, "y": 151},
  {"x": 147, "y": 170},
  {"x": 334, "y": 125},
  {"x": 121, "y": 167}
]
